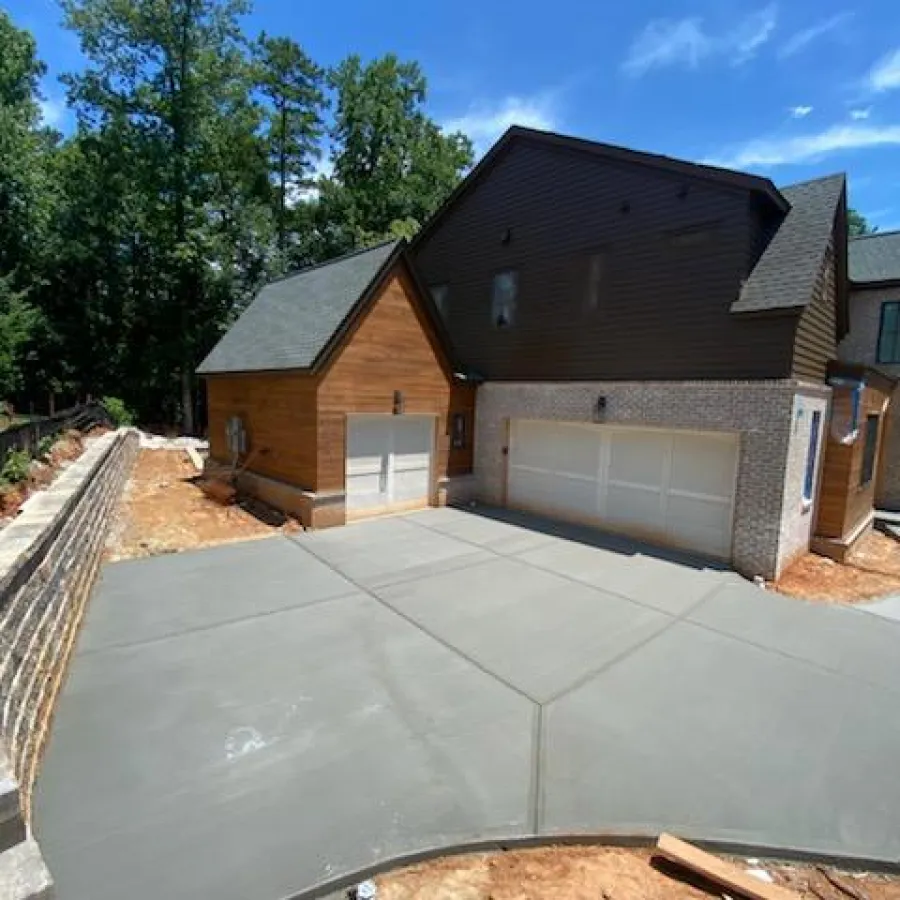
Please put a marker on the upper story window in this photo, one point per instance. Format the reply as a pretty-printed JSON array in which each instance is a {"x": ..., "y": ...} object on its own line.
[
  {"x": 889, "y": 333},
  {"x": 595, "y": 272},
  {"x": 504, "y": 292},
  {"x": 440, "y": 294}
]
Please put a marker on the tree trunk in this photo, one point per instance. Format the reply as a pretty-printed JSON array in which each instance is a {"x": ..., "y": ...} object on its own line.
[
  {"x": 187, "y": 401},
  {"x": 283, "y": 176}
]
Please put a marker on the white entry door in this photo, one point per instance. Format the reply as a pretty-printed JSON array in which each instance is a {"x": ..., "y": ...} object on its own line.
[
  {"x": 672, "y": 487},
  {"x": 388, "y": 463}
]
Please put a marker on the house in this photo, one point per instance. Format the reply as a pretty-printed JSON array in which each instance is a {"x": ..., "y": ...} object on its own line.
[
  {"x": 334, "y": 395},
  {"x": 651, "y": 341},
  {"x": 874, "y": 338}
]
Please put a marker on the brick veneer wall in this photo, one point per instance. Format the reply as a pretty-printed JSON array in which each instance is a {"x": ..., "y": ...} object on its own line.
[
  {"x": 772, "y": 419},
  {"x": 48, "y": 559},
  {"x": 861, "y": 346}
]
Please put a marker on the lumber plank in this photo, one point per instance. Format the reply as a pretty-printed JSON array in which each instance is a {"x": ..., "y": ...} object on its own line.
[
  {"x": 724, "y": 873},
  {"x": 195, "y": 458}
]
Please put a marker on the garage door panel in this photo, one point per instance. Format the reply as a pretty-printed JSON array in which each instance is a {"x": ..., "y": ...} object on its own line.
[
  {"x": 631, "y": 506},
  {"x": 702, "y": 465},
  {"x": 556, "y": 447},
  {"x": 553, "y": 493},
  {"x": 636, "y": 457},
  {"x": 703, "y": 525}
]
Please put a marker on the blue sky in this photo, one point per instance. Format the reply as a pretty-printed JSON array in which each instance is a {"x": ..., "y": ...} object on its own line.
[{"x": 789, "y": 90}]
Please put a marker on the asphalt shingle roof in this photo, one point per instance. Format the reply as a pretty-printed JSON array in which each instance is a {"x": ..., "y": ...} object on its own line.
[
  {"x": 785, "y": 275},
  {"x": 875, "y": 257},
  {"x": 291, "y": 320}
]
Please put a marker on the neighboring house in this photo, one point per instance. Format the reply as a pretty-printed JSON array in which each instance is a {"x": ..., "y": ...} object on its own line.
[
  {"x": 334, "y": 394},
  {"x": 652, "y": 341},
  {"x": 874, "y": 338}
]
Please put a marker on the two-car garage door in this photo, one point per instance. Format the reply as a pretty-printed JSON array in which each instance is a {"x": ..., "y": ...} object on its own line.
[{"x": 672, "y": 487}]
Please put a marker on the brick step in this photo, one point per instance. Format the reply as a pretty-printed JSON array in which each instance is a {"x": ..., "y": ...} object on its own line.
[{"x": 23, "y": 873}]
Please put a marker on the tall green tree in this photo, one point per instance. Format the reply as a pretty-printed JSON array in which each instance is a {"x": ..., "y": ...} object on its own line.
[
  {"x": 174, "y": 75},
  {"x": 857, "y": 224},
  {"x": 24, "y": 215},
  {"x": 292, "y": 86},
  {"x": 393, "y": 165}
]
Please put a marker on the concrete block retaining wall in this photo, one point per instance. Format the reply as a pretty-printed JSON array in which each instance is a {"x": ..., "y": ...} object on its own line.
[{"x": 48, "y": 560}]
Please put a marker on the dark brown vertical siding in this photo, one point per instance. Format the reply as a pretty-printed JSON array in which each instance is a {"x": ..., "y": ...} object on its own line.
[
  {"x": 816, "y": 338},
  {"x": 664, "y": 302}
]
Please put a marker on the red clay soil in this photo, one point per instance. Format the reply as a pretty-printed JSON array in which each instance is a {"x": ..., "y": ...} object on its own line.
[
  {"x": 597, "y": 873},
  {"x": 163, "y": 510},
  {"x": 873, "y": 570}
]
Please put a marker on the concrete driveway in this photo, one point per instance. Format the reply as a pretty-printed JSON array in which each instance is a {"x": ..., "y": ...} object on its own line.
[{"x": 255, "y": 719}]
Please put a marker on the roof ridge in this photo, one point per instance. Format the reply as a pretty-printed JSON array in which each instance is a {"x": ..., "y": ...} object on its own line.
[
  {"x": 797, "y": 184},
  {"x": 359, "y": 251},
  {"x": 875, "y": 234}
]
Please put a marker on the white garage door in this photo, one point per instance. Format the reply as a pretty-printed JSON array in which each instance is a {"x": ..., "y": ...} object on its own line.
[
  {"x": 388, "y": 463},
  {"x": 671, "y": 487}
]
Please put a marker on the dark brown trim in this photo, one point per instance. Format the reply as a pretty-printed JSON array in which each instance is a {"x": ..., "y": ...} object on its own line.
[
  {"x": 888, "y": 284},
  {"x": 612, "y": 152}
]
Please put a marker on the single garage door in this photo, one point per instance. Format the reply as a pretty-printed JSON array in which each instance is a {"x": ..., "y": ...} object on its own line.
[
  {"x": 388, "y": 463},
  {"x": 671, "y": 487}
]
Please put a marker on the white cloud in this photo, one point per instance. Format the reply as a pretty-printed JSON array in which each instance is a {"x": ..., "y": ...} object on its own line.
[
  {"x": 485, "y": 122},
  {"x": 799, "y": 112},
  {"x": 771, "y": 152},
  {"x": 858, "y": 115},
  {"x": 687, "y": 42},
  {"x": 53, "y": 112},
  {"x": 885, "y": 74},
  {"x": 751, "y": 34},
  {"x": 668, "y": 43},
  {"x": 802, "y": 39},
  {"x": 295, "y": 194}
]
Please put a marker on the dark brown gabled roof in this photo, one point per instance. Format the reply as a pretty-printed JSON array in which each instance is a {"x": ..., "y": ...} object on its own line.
[
  {"x": 785, "y": 275},
  {"x": 610, "y": 152}
]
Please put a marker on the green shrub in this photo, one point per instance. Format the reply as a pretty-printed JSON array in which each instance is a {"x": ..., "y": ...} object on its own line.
[
  {"x": 16, "y": 467},
  {"x": 45, "y": 444},
  {"x": 118, "y": 411}
]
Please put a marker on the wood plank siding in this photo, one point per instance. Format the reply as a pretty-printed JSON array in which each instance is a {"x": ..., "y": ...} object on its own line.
[
  {"x": 815, "y": 343},
  {"x": 392, "y": 349},
  {"x": 279, "y": 413},
  {"x": 843, "y": 502},
  {"x": 673, "y": 253}
]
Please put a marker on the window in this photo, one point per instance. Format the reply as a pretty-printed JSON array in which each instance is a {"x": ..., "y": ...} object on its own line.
[
  {"x": 439, "y": 294},
  {"x": 889, "y": 333},
  {"x": 596, "y": 268},
  {"x": 458, "y": 432},
  {"x": 503, "y": 298},
  {"x": 809, "y": 481},
  {"x": 868, "y": 460}
]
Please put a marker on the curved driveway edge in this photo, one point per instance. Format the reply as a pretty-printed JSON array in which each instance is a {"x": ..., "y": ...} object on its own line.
[{"x": 264, "y": 718}]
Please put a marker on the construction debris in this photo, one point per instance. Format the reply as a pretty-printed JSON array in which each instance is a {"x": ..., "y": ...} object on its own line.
[
  {"x": 850, "y": 890},
  {"x": 716, "y": 870}
]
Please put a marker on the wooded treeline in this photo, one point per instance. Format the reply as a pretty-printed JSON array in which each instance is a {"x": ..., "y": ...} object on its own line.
[{"x": 194, "y": 175}]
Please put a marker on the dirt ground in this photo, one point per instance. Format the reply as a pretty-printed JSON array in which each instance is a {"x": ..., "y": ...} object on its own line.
[
  {"x": 873, "y": 570},
  {"x": 598, "y": 873},
  {"x": 163, "y": 510}
]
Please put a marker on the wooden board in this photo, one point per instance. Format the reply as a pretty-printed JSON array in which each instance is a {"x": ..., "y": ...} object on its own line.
[{"x": 719, "y": 871}]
